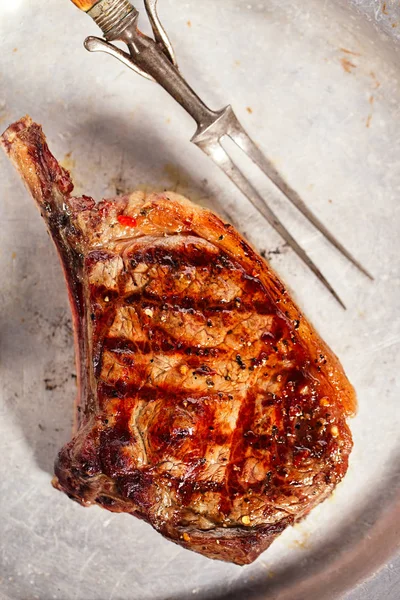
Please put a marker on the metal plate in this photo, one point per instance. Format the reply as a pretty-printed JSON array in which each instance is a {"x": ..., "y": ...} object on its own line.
[{"x": 316, "y": 84}]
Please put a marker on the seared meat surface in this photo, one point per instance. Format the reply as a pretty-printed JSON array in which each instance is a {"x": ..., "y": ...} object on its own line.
[{"x": 208, "y": 406}]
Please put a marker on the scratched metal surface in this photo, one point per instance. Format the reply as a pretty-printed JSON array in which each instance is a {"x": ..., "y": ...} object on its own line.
[{"x": 316, "y": 84}]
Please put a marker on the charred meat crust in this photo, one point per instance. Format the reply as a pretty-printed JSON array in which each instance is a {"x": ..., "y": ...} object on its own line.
[{"x": 208, "y": 406}]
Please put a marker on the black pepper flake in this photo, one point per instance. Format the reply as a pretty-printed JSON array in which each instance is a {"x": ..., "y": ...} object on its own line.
[
  {"x": 209, "y": 323},
  {"x": 296, "y": 324},
  {"x": 221, "y": 237},
  {"x": 297, "y": 426},
  {"x": 92, "y": 316},
  {"x": 227, "y": 378},
  {"x": 209, "y": 382},
  {"x": 240, "y": 361}
]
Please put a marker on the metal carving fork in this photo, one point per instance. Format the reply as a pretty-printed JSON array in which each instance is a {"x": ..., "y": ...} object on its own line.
[{"x": 155, "y": 60}]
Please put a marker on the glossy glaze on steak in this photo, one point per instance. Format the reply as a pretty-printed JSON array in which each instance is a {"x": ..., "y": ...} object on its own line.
[{"x": 208, "y": 406}]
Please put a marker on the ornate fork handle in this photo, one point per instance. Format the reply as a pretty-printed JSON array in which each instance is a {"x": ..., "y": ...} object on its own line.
[{"x": 153, "y": 59}]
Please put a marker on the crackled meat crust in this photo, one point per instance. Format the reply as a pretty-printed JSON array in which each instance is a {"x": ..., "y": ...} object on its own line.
[{"x": 208, "y": 405}]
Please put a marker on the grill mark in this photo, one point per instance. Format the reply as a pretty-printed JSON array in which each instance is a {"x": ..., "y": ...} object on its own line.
[
  {"x": 161, "y": 342},
  {"x": 151, "y": 393},
  {"x": 186, "y": 254},
  {"x": 249, "y": 287},
  {"x": 200, "y": 306},
  {"x": 199, "y": 361}
]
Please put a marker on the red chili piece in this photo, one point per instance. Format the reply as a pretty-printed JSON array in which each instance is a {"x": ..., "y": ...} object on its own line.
[{"x": 127, "y": 221}]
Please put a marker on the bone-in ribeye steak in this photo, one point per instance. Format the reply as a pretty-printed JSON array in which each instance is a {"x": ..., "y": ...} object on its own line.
[{"x": 208, "y": 406}]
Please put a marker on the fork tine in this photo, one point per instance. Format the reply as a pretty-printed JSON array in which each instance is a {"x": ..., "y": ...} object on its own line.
[
  {"x": 244, "y": 141},
  {"x": 217, "y": 153}
]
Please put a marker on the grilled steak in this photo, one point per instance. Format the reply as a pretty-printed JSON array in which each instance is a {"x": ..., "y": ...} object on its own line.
[{"x": 208, "y": 406}]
